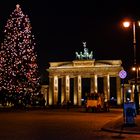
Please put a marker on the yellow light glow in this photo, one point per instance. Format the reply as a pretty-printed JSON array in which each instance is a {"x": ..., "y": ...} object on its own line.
[
  {"x": 133, "y": 69},
  {"x": 138, "y": 23},
  {"x": 126, "y": 24}
]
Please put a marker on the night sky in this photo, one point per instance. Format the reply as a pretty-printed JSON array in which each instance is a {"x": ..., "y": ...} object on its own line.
[{"x": 60, "y": 27}]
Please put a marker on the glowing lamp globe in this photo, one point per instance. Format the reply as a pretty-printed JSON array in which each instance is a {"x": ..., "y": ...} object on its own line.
[{"x": 126, "y": 24}]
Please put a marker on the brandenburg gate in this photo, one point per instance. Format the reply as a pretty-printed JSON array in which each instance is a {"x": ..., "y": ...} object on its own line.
[{"x": 82, "y": 68}]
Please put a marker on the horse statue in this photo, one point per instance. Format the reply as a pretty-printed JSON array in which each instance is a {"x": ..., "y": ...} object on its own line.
[
  {"x": 90, "y": 56},
  {"x": 78, "y": 56}
]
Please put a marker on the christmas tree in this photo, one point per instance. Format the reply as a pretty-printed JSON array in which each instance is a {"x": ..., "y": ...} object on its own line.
[{"x": 18, "y": 58}]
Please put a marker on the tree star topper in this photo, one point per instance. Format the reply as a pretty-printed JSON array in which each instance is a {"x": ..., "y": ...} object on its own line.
[{"x": 17, "y": 6}]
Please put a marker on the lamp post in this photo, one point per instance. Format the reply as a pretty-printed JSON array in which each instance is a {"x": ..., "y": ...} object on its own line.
[
  {"x": 135, "y": 68},
  {"x": 136, "y": 94}
]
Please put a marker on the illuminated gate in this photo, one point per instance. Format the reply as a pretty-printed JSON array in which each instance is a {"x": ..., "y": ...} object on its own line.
[{"x": 77, "y": 70}]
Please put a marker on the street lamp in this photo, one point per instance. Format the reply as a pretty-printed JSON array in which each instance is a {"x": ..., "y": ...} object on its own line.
[{"x": 135, "y": 68}]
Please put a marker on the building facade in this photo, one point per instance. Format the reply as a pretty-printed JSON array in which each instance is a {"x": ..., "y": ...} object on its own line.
[{"x": 59, "y": 90}]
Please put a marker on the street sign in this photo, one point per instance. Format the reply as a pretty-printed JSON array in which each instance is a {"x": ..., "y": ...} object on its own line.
[{"x": 122, "y": 74}]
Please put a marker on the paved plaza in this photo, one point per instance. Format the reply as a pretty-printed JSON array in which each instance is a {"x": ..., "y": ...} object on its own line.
[{"x": 58, "y": 124}]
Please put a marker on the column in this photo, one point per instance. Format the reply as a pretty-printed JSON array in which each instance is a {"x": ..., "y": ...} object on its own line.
[
  {"x": 46, "y": 95},
  {"x": 55, "y": 89},
  {"x": 107, "y": 87},
  {"x": 79, "y": 89},
  {"x": 63, "y": 90},
  {"x": 50, "y": 91},
  {"x": 132, "y": 93},
  {"x": 44, "y": 91},
  {"x": 75, "y": 102},
  {"x": 119, "y": 93},
  {"x": 67, "y": 87},
  {"x": 93, "y": 84}
]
